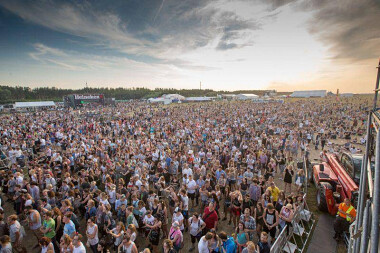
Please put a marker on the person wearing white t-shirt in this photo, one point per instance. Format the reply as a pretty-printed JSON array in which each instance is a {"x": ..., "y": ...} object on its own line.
[
  {"x": 203, "y": 243},
  {"x": 187, "y": 170},
  {"x": 148, "y": 218},
  {"x": 78, "y": 245},
  {"x": 191, "y": 188},
  {"x": 177, "y": 216},
  {"x": 196, "y": 225}
]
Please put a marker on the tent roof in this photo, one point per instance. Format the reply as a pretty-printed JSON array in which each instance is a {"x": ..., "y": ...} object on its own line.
[
  {"x": 309, "y": 93},
  {"x": 34, "y": 104}
]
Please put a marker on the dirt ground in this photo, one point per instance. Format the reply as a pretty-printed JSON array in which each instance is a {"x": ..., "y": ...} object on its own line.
[{"x": 30, "y": 241}]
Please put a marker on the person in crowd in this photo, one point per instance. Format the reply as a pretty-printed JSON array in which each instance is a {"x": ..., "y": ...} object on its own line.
[
  {"x": 210, "y": 218},
  {"x": 196, "y": 225},
  {"x": 228, "y": 243},
  {"x": 127, "y": 245},
  {"x": 241, "y": 237},
  {"x": 92, "y": 234},
  {"x": 6, "y": 246},
  {"x": 16, "y": 232},
  {"x": 176, "y": 236},
  {"x": 138, "y": 165},
  {"x": 263, "y": 244},
  {"x": 203, "y": 244},
  {"x": 271, "y": 220},
  {"x": 286, "y": 217},
  {"x": 168, "y": 246},
  {"x": 251, "y": 248},
  {"x": 78, "y": 246},
  {"x": 46, "y": 245}
]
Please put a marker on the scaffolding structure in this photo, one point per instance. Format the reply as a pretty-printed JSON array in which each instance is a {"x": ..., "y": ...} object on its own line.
[{"x": 364, "y": 236}]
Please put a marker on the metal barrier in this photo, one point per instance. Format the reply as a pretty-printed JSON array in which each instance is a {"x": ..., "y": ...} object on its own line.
[
  {"x": 299, "y": 232},
  {"x": 366, "y": 233}
]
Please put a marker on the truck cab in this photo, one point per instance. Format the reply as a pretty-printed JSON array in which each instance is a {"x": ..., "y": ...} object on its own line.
[{"x": 352, "y": 164}]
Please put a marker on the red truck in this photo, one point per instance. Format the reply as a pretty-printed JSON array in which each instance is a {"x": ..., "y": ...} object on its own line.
[{"x": 335, "y": 180}]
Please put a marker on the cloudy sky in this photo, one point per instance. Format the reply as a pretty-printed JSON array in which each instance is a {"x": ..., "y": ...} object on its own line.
[{"x": 227, "y": 44}]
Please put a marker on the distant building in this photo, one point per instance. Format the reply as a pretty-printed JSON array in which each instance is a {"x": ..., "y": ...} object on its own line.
[
  {"x": 199, "y": 99},
  {"x": 309, "y": 93},
  {"x": 246, "y": 97},
  {"x": 226, "y": 96},
  {"x": 30, "y": 105},
  {"x": 167, "y": 99},
  {"x": 174, "y": 97},
  {"x": 346, "y": 95}
]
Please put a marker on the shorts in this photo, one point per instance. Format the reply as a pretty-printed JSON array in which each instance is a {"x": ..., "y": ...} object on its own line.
[
  {"x": 271, "y": 232},
  {"x": 196, "y": 238},
  {"x": 191, "y": 195},
  {"x": 236, "y": 211}
]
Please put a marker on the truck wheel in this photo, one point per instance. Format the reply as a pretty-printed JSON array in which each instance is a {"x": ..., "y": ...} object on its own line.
[{"x": 321, "y": 200}]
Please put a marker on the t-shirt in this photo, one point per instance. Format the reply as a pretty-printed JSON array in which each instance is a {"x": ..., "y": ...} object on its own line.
[
  {"x": 149, "y": 220},
  {"x": 172, "y": 235},
  {"x": 203, "y": 245},
  {"x": 80, "y": 249},
  {"x": 185, "y": 201},
  {"x": 274, "y": 192},
  {"x": 178, "y": 218},
  {"x": 264, "y": 247},
  {"x": 210, "y": 218},
  {"x": 191, "y": 186},
  {"x": 49, "y": 224},
  {"x": 69, "y": 228},
  {"x": 195, "y": 226},
  {"x": 13, "y": 229},
  {"x": 229, "y": 245}
]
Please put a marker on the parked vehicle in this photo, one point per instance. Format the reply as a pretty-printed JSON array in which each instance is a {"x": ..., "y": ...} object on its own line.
[{"x": 334, "y": 182}]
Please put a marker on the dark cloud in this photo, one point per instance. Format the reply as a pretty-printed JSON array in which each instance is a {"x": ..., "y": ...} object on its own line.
[{"x": 349, "y": 28}]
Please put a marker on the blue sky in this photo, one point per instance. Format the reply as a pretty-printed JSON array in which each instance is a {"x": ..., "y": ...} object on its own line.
[{"x": 246, "y": 44}]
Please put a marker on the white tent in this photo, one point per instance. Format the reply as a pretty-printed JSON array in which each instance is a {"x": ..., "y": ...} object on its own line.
[
  {"x": 309, "y": 93},
  {"x": 174, "y": 97},
  {"x": 199, "y": 99},
  {"x": 246, "y": 96},
  {"x": 34, "y": 104}
]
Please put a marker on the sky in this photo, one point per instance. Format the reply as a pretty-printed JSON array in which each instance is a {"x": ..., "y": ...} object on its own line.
[{"x": 285, "y": 45}]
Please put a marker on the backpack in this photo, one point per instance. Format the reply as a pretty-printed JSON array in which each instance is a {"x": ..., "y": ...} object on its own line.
[{"x": 199, "y": 225}]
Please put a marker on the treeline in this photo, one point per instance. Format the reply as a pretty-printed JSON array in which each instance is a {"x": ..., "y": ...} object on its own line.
[{"x": 9, "y": 94}]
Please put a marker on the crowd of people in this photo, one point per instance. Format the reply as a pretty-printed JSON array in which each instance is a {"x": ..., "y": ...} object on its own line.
[{"x": 212, "y": 177}]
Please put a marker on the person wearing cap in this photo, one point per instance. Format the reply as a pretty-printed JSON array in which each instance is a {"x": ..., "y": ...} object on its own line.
[
  {"x": 345, "y": 216},
  {"x": 286, "y": 217},
  {"x": 176, "y": 236}
]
